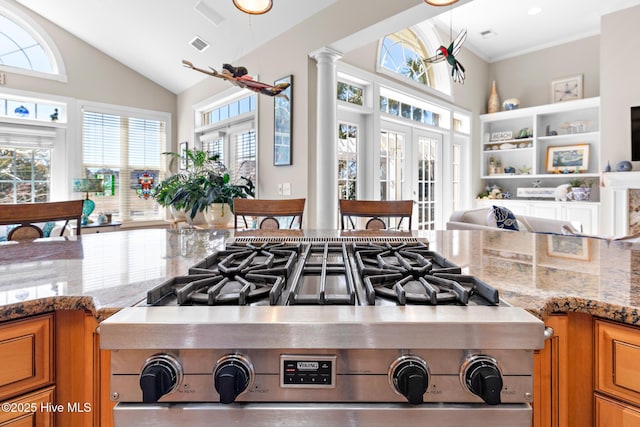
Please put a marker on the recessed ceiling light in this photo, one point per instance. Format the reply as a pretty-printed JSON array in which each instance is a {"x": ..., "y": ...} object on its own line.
[{"x": 534, "y": 11}]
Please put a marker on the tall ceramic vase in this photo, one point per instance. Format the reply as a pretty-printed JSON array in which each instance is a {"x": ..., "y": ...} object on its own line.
[{"x": 493, "y": 106}]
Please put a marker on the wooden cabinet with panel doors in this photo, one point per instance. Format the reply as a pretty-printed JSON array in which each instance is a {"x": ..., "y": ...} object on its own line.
[{"x": 617, "y": 377}]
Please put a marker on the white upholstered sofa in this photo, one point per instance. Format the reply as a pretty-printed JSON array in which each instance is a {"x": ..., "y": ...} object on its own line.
[{"x": 477, "y": 219}]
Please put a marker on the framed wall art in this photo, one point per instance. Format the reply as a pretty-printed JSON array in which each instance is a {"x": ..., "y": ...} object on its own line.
[
  {"x": 568, "y": 158},
  {"x": 569, "y": 247},
  {"x": 566, "y": 89},
  {"x": 283, "y": 124}
]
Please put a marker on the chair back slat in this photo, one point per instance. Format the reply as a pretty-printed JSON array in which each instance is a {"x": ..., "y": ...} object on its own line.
[
  {"x": 375, "y": 209},
  {"x": 268, "y": 209},
  {"x": 26, "y": 214}
]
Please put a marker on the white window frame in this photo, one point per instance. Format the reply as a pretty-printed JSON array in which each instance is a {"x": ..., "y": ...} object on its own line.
[
  {"x": 59, "y": 72},
  {"x": 370, "y": 122},
  {"x": 124, "y": 111},
  {"x": 228, "y": 127}
]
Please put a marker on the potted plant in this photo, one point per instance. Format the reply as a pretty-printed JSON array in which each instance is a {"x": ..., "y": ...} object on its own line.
[
  {"x": 206, "y": 182},
  {"x": 580, "y": 189},
  {"x": 164, "y": 193}
]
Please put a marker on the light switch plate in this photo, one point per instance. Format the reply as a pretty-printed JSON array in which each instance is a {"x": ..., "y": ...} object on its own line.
[{"x": 286, "y": 188}]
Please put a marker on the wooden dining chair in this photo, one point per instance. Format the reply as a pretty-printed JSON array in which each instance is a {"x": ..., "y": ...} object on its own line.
[
  {"x": 379, "y": 212},
  {"x": 267, "y": 211},
  {"x": 27, "y": 215}
]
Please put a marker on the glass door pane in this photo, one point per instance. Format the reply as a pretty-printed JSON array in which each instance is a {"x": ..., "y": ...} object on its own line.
[{"x": 427, "y": 182}]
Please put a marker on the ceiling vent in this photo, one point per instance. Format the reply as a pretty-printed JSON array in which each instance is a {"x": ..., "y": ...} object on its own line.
[
  {"x": 208, "y": 12},
  {"x": 198, "y": 44},
  {"x": 486, "y": 34}
]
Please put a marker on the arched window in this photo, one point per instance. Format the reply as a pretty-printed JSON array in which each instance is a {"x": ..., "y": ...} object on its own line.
[
  {"x": 403, "y": 53},
  {"x": 25, "y": 48}
]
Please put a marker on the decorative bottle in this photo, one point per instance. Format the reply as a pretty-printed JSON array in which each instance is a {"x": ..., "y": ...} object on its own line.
[{"x": 493, "y": 106}]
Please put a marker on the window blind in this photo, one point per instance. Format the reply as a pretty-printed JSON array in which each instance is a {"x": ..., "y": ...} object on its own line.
[
  {"x": 21, "y": 136},
  {"x": 124, "y": 148},
  {"x": 244, "y": 160}
]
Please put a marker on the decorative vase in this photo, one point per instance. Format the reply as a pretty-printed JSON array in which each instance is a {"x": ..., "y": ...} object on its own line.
[
  {"x": 511, "y": 104},
  {"x": 624, "y": 166},
  {"x": 197, "y": 220},
  {"x": 493, "y": 106},
  {"x": 219, "y": 215},
  {"x": 579, "y": 194},
  {"x": 177, "y": 213}
]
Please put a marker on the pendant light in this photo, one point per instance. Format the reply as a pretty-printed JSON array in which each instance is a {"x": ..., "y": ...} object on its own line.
[
  {"x": 254, "y": 7},
  {"x": 440, "y": 2}
]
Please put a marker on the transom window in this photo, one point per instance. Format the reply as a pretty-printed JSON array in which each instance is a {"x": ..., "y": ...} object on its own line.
[
  {"x": 403, "y": 53},
  {"x": 229, "y": 111},
  {"x": 26, "y": 48},
  {"x": 350, "y": 93}
]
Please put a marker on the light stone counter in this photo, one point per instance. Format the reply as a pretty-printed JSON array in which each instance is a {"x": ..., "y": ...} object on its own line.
[{"x": 108, "y": 271}]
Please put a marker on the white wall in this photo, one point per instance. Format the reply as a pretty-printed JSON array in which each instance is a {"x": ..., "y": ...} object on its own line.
[
  {"x": 288, "y": 54},
  {"x": 620, "y": 90},
  {"x": 528, "y": 77}
]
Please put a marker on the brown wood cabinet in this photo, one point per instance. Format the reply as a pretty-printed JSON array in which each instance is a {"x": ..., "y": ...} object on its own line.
[
  {"x": 26, "y": 355},
  {"x": 26, "y": 372},
  {"x": 82, "y": 371},
  {"x": 29, "y": 410},
  {"x": 52, "y": 372},
  {"x": 563, "y": 380},
  {"x": 615, "y": 414},
  {"x": 617, "y": 397}
]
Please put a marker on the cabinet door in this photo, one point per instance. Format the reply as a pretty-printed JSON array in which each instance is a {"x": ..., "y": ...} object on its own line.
[
  {"x": 545, "y": 210},
  {"x": 26, "y": 410},
  {"x": 26, "y": 361},
  {"x": 617, "y": 355},
  {"x": 585, "y": 214},
  {"x": 612, "y": 413}
]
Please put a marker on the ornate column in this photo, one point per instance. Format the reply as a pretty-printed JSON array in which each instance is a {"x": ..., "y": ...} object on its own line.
[{"x": 326, "y": 176}]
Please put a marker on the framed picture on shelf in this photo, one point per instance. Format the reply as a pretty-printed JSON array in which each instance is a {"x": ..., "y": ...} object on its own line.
[
  {"x": 282, "y": 126},
  {"x": 184, "y": 146},
  {"x": 568, "y": 247},
  {"x": 568, "y": 158},
  {"x": 566, "y": 89}
]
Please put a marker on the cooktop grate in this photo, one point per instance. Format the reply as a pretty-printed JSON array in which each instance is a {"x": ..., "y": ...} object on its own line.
[{"x": 341, "y": 239}]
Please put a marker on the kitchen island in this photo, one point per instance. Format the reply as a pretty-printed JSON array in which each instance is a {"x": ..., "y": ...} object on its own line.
[
  {"x": 105, "y": 272},
  {"x": 65, "y": 287}
]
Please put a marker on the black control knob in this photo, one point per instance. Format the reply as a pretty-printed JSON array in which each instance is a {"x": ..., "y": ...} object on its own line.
[
  {"x": 483, "y": 378},
  {"x": 410, "y": 378},
  {"x": 232, "y": 376},
  {"x": 161, "y": 375}
]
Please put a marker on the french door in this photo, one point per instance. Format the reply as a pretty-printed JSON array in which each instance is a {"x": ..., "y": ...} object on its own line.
[{"x": 410, "y": 168}]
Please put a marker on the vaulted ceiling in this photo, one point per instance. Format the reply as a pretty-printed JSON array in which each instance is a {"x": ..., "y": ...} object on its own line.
[{"x": 153, "y": 37}]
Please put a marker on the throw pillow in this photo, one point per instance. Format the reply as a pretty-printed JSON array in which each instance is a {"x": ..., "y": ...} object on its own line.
[
  {"x": 501, "y": 217},
  {"x": 47, "y": 228}
]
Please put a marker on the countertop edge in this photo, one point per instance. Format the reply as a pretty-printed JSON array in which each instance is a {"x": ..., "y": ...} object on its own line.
[
  {"x": 554, "y": 305},
  {"x": 56, "y": 303}
]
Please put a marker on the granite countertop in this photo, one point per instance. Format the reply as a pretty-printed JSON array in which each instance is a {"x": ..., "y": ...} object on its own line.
[{"x": 108, "y": 271}]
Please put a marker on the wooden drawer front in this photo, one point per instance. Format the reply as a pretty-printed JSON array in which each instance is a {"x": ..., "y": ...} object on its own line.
[
  {"x": 26, "y": 411},
  {"x": 610, "y": 413},
  {"x": 617, "y": 355},
  {"x": 26, "y": 361}
]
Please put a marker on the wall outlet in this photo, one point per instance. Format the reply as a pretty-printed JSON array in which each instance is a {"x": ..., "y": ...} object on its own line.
[
  {"x": 279, "y": 188},
  {"x": 286, "y": 188},
  {"x": 2, "y": 79}
]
